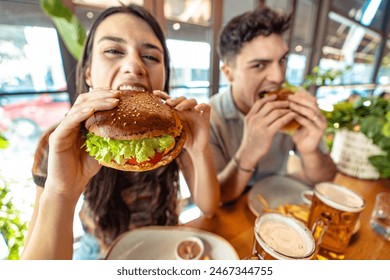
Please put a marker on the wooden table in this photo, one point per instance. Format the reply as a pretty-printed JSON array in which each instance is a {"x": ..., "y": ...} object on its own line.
[{"x": 235, "y": 223}]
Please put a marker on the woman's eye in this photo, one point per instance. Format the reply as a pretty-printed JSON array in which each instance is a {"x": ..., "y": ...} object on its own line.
[
  {"x": 151, "y": 58},
  {"x": 113, "y": 51}
]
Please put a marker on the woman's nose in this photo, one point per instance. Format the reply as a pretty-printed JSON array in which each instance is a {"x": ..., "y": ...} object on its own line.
[{"x": 133, "y": 65}]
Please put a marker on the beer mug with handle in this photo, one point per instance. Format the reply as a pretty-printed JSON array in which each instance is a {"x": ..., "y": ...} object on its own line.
[
  {"x": 334, "y": 212},
  {"x": 281, "y": 237}
]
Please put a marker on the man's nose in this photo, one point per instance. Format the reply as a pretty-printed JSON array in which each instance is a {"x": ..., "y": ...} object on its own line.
[{"x": 277, "y": 73}]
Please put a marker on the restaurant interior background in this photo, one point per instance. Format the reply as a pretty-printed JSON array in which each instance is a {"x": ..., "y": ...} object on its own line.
[{"x": 36, "y": 70}]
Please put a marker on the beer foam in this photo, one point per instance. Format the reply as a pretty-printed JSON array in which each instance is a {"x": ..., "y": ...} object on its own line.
[
  {"x": 339, "y": 197},
  {"x": 283, "y": 238}
]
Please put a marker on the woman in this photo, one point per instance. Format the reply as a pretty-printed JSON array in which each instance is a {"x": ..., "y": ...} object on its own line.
[{"x": 124, "y": 48}]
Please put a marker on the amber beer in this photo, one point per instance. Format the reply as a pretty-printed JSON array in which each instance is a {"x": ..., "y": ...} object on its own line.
[
  {"x": 337, "y": 209},
  {"x": 279, "y": 237}
]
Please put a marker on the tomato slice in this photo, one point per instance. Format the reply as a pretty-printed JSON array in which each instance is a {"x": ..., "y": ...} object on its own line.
[{"x": 157, "y": 157}]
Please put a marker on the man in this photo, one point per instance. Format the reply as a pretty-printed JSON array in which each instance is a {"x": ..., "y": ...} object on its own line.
[{"x": 245, "y": 123}]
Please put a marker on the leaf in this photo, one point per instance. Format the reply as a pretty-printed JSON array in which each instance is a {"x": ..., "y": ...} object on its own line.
[
  {"x": 371, "y": 126},
  {"x": 3, "y": 142},
  {"x": 68, "y": 26},
  {"x": 386, "y": 129},
  {"x": 381, "y": 163},
  {"x": 55, "y": 8},
  {"x": 11, "y": 226}
]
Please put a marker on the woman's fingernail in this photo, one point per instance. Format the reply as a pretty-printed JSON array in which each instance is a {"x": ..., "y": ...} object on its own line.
[{"x": 112, "y": 100}]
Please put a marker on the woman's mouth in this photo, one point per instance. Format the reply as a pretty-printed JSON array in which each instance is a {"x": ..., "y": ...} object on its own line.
[{"x": 132, "y": 88}]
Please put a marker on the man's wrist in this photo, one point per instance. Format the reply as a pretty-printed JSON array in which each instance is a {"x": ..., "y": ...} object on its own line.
[{"x": 242, "y": 168}]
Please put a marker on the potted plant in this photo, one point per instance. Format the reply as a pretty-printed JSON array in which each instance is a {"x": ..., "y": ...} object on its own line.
[{"x": 361, "y": 146}]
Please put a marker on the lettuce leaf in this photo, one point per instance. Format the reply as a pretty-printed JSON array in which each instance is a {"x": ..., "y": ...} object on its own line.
[{"x": 106, "y": 149}]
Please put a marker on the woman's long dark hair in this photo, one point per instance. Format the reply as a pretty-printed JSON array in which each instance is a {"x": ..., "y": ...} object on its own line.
[{"x": 103, "y": 194}]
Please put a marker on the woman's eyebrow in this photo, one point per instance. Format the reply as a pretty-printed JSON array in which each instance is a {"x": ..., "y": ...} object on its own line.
[
  {"x": 121, "y": 40},
  {"x": 152, "y": 46},
  {"x": 112, "y": 38}
]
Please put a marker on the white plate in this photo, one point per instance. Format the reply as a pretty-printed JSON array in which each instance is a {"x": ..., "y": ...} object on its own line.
[
  {"x": 160, "y": 243},
  {"x": 276, "y": 190}
]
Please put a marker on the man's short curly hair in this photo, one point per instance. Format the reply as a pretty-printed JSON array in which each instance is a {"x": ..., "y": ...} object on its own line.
[{"x": 243, "y": 28}]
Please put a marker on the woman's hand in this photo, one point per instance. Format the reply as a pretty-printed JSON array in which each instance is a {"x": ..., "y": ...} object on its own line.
[
  {"x": 313, "y": 122},
  {"x": 70, "y": 167},
  {"x": 195, "y": 118}
]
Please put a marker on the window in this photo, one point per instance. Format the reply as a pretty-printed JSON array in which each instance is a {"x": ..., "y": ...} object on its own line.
[
  {"x": 350, "y": 44},
  {"x": 191, "y": 63},
  {"x": 301, "y": 41},
  {"x": 33, "y": 91},
  {"x": 367, "y": 12},
  {"x": 384, "y": 70},
  {"x": 188, "y": 41},
  {"x": 190, "y": 11}
]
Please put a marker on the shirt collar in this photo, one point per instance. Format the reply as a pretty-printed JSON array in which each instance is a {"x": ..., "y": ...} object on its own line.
[{"x": 229, "y": 107}]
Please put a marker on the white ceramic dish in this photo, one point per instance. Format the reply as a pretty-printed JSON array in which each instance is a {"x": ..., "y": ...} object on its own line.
[
  {"x": 276, "y": 191},
  {"x": 160, "y": 243}
]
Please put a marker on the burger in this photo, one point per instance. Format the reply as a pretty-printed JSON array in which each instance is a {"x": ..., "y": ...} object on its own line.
[
  {"x": 282, "y": 94},
  {"x": 140, "y": 134}
]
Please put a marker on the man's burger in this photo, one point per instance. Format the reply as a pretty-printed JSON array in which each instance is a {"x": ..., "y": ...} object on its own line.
[
  {"x": 140, "y": 134},
  {"x": 282, "y": 94}
]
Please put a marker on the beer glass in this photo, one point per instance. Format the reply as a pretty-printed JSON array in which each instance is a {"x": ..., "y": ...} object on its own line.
[
  {"x": 333, "y": 215},
  {"x": 281, "y": 237}
]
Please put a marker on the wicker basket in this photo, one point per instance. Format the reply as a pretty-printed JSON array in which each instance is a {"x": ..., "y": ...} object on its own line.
[{"x": 351, "y": 151}]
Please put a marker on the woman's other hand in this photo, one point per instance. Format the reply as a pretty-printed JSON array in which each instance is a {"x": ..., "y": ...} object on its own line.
[
  {"x": 195, "y": 118},
  {"x": 70, "y": 166}
]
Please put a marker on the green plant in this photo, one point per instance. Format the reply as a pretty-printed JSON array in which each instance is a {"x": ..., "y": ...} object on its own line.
[
  {"x": 319, "y": 77},
  {"x": 371, "y": 116},
  {"x": 3, "y": 142},
  {"x": 12, "y": 227},
  {"x": 68, "y": 25}
]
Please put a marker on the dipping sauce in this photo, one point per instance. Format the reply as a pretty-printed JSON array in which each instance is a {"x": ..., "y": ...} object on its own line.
[{"x": 190, "y": 249}]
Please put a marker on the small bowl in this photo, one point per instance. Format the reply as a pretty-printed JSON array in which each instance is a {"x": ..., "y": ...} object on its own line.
[{"x": 190, "y": 248}]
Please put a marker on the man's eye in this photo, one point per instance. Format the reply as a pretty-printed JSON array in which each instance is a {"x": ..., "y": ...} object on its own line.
[
  {"x": 284, "y": 60},
  {"x": 259, "y": 66}
]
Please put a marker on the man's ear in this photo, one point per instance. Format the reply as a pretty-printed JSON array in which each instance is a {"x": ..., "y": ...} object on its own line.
[
  {"x": 87, "y": 75},
  {"x": 228, "y": 72}
]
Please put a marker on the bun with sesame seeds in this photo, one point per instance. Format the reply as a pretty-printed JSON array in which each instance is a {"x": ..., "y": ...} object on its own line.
[{"x": 140, "y": 134}]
